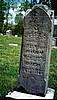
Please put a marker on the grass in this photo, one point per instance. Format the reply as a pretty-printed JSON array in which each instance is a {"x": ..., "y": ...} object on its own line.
[
  {"x": 9, "y": 65},
  {"x": 53, "y": 72}
]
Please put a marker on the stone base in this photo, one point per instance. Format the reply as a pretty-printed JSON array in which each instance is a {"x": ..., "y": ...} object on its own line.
[{"x": 19, "y": 95}]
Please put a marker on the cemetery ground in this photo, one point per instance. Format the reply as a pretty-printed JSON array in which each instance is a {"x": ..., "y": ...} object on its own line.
[{"x": 9, "y": 65}]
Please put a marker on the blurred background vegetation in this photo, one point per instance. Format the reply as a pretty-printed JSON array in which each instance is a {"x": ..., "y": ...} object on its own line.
[{"x": 15, "y": 9}]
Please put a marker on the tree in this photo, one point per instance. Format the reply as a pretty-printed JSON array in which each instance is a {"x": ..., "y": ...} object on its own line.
[
  {"x": 2, "y": 13},
  {"x": 25, "y": 5},
  {"x": 8, "y": 7},
  {"x": 31, "y": 4},
  {"x": 19, "y": 22},
  {"x": 10, "y": 4},
  {"x": 34, "y": 2}
]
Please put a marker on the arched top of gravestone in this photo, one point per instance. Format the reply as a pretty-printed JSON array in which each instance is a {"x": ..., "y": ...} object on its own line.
[
  {"x": 43, "y": 8},
  {"x": 38, "y": 15}
]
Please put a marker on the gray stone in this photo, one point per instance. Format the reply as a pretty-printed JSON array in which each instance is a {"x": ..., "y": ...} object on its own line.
[
  {"x": 36, "y": 50},
  {"x": 9, "y": 33}
]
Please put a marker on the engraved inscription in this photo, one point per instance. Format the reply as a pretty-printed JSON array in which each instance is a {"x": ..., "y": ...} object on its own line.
[{"x": 35, "y": 51}]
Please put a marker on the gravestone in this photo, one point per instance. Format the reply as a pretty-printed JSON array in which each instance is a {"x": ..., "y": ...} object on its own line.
[
  {"x": 9, "y": 33},
  {"x": 35, "y": 51}
]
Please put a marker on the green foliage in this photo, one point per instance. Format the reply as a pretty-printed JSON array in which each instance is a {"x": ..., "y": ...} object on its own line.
[
  {"x": 31, "y": 4},
  {"x": 19, "y": 26},
  {"x": 2, "y": 9},
  {"x": 10, "y": 4},
  {"x": 24, "y": 6}
]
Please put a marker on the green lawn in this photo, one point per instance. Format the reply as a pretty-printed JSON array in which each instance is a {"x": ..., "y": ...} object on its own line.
[
  {"x": 9, "y": 65},
  {"x": 53, "y": 72}
]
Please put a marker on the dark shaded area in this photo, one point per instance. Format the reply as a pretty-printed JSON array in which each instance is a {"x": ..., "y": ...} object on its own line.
[
  {"x": 54, "y": 6},
  {"x": 22, "y": 90},
  {"x": 6, "y": 98},
  {"x": 55, "y": 31},
  {"x": 56, "y": 42}
]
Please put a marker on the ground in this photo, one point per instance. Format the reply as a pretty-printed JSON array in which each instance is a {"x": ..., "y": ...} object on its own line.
[{"x": 9, "y": 65}]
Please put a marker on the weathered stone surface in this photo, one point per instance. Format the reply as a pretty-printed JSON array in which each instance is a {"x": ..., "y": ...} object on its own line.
[
  {"x": 35, "y": 53},
  {"x": 9, "y": 33}
]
